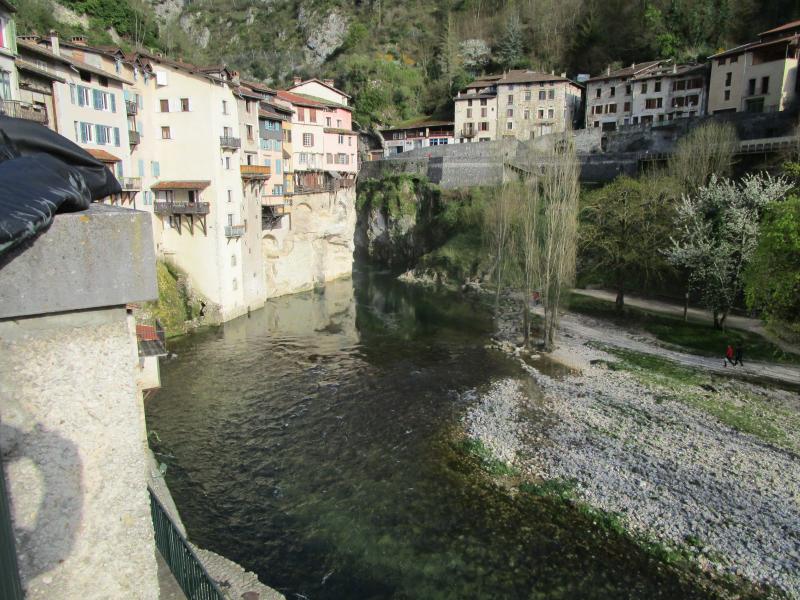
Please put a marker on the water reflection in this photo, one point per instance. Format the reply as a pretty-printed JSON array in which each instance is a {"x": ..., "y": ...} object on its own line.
[{"x": 312, "y": 443}]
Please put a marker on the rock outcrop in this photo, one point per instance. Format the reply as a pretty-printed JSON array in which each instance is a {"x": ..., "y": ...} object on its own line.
[{"x": 324, "y": 33}]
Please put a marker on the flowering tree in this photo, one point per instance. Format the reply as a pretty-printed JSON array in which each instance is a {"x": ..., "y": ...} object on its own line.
[{"x": 718, "y": 234}]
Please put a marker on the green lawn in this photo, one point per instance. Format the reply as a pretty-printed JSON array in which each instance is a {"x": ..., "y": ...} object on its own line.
[{"x": 697, "y": 338}]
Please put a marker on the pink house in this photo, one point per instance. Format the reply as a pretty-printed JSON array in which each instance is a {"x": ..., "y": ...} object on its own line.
[{"x": 340, "y": 142}]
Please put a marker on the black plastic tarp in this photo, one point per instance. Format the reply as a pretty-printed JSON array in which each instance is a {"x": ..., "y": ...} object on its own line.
[{"x": 42, "y": 173}]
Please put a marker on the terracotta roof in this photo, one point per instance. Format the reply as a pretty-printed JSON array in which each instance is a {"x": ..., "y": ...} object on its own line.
[
  {"x": 299, "y": 100},
  {"x": 667, "y": 71},
  {"x": 325, "y": 102},
  {"x": 631, "y": 71},
  {"x": 516, "y": 76},
  {"x": 260, "y": 87},
  {"x": 319, "y": 81},
  {"x": 248, "y": 92},
  {"x": 784, "y": 27},
  {"x": 269, "y": 114},
  {"x": 418, "y": 124},
  {"x": 336, "y": 130},
  {"x": 180, "y": 185},
  {"x": 103, "y": 155},
  {"x": 36, "y": 48}
]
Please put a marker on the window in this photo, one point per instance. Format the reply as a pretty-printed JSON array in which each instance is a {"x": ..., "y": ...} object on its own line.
[
  {"x": 543, "y": 94},
  {"x": 469, "y": 102},
  {"x": 230, "y": 195},
  {"x": 165, "y": 133},
  {"x": 339, "y": 123},
  {"x": 644, "y": 88},
  {"x": 510, "y": 125},
  {"x": 327, "y": 121},
  {"x": 727, "y": 95},
  {"x": 720, "y": 61},
  {"x": 679, "y": 85},
  {"x": 469, "y": 113},
  {"x": 86, "y": 76},
  {"x": 164, "y": 105},
  {"x": 278, "y": 165},
  {"x": 312, "y": 115},
  {"x": 613, "y": 91},
  {"x": 627, "y": 107},
  {"x": 728, "y": 78},
  {"x": 301, "y": 113},
  {"x": 651, "y": 103},
  {"x": 103, "y": 81},
  {"x": 657, "y": 86},
  {"x": 541, "y": 113},
  {"x": 511, "y": 99},
  {"x": 341, "y": 138},
  {"x": 224, "y": 107},
  {"x": 483, "y": 112},
  {"x": 350, "y": 140},
  {"x": 86, "y": 132},
  {"x": 249, "y": 129},
  {"x": 155, "y": 168},
  {"x": 233, "y": 260},
  {"x": 228, "y": 163},
  {"x": 5, "y": 85},
  {"x": 527, "y": 95},
  {"x": 765, "y": 85},
  {"x": 551, "y": 94},
  {"x": 611, "y": 108},
  {"x": 527, "y": 114},
  {"x": 596, "y": 94},
  {"x": 483, "y": 126},
  {"x": 308, "y": 139},
  {"x": 185, "y": 105},
  {"x": 509, "y": 112},
  {"x": 483, "y": 101},
  {"x": 628, "y": 89},
  {"x": 551, "y": 113},
  {"x": 597, "y": 123}
]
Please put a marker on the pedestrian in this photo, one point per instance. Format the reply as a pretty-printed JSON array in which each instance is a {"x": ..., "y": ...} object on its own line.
[
  {"x": 737, "y": 359},
  {"x": 728, "y": 356}
]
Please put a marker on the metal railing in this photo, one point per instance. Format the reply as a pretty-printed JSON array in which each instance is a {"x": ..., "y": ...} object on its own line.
[
  {"x": 131, "y": 183},
  {"x": 134, "y": 137},
  {"x": 233, "y": 231},
  {"x": 131, "y": 108},
  {"x": 151, "y": 338},
  {"x": 230, "y": 142},
  {"x": 23, "y": 110},
  {"x": 187, "y": 569},
  {"x": 182, "y": 208}
]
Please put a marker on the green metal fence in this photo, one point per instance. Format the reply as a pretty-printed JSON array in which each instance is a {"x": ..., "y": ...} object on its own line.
[
  {"x": 189, "y": 572},
  {"x": 10, "y": 586}
]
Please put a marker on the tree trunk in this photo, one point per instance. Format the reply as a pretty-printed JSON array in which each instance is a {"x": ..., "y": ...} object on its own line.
[
  {"x": 717, "y": 324},
  {"x": 620, "y": 301},
  {"x": 722, "y": 319},
  {"x": 526, "y": 324}
]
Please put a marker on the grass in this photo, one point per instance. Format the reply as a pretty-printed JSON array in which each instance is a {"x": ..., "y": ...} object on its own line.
[
  {"x": 739, "y": 409},
  {"x": 487, "y": 460},
  {"x": 698, "y": 338}
]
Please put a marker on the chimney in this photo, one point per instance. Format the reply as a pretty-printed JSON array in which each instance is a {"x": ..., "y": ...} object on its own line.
[
  {"x": 79, "y": 40},
  {"x": 297, "y": 80},
  {"x": 608, "y": 70},
  {"x": 29, "y": 38},
  {"x": 54, "y": 46},
  {"x": 674, "y": 68},
  {"x": 564, "y": 74},
  {"x": 329, "y": 82},
  {"x": 235, "y": 77}
]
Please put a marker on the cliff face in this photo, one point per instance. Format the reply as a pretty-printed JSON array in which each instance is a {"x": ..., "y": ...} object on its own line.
[
  {"x": 394, "y": 219},
  {"x": 318, "y": 247}
]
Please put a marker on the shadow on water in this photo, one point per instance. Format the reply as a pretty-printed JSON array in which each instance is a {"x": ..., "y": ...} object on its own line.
[{"x": 313, "y": 444}]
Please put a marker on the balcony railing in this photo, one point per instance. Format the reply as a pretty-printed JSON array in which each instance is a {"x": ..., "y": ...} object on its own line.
[
  {"x": 189, "y": 572},
  {"x": 131, "y": 108},
  {"x": 255, "y": 171},
  {"x": 23, "y": 110},
  {"x": 468, "y": 132},
  {"x": 182, "y": 208},
  {"x": 151, "y": 339},
  {"x": 230, "y": 142},
  {"x": 234, "y": 231},
  {"x": 133, "y": 184},
  {"x": 134, "y": 138}
]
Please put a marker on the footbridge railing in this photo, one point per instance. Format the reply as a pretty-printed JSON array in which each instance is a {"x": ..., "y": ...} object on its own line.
[{"x": 187, "y": 569}]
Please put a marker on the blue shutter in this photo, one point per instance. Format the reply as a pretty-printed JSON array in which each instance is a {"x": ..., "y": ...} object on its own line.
[
  {"x": 141, "y": 168},
  {"x": 77, "y": 131},
  {"x": 155, "y": 168},
  {"x": 278, "y": 165},
  {"x": 99, "y": 135},
  {"x": 81, "y": 97},
  {"x": 139, "y": 128},
  {"x": 116, "y": 135},
  {"x": 140, "y": 101},
  {"x": 97, "y": 99},
  {"x": 84, "y": 132},
  {"x": 72, "y": 93},
  {"x": 120, "y": 172},
  {"x": 113, "y": 104}
]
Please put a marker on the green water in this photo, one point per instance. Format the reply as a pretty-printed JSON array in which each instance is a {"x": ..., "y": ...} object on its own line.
[{"x": 316, "y": 443}]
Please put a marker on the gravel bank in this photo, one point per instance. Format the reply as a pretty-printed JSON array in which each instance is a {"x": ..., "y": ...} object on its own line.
[{"x": 671, "y": 471}]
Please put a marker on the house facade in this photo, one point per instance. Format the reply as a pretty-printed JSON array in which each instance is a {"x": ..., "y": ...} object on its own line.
[
  {"x": 760, "y": 76},
  {"x": 419, "y": 134},
  {"x": 519, "y": 104},
  {"x": 609, "y": 97},
  {"x": 8, "y": 52}
]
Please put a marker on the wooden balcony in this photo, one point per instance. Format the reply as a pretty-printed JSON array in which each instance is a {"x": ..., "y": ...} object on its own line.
[
  {"x": 231, "y": 143},
  {"x": 131, "y": 184},
  {"x": 182, "y": 208},
  {"x": 23, "y": 110},
  {"x": 255, "y": 171},
  {"x": 234, "y": 231},
  {"x": 468, "y": 132}
]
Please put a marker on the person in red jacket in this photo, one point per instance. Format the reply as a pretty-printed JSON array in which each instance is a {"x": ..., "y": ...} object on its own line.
[{"x": 728, "y": 356}]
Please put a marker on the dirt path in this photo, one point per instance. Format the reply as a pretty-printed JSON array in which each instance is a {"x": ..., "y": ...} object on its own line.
[{"x": 694, "y": 314}]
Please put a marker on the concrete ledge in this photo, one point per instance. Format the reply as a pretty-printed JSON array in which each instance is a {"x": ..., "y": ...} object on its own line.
[{"x": 95, "y": 258}]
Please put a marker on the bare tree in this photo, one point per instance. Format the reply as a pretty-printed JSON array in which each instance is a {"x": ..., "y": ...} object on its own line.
[
  {"x": 708, "y": 150},
  {"x": 560, "y": 190},
  {"x": 499, "y": 219}
]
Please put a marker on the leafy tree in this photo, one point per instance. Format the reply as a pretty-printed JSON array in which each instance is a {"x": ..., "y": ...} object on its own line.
[
  {"x": 625, "y": 229},
  {"x": 510, "y": 49},
  {"x": 718, "y": 234},
  {"x": 772, "y": 280}
]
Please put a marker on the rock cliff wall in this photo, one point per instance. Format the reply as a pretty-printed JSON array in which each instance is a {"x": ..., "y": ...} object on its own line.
[{"x": 313, "y": 245}]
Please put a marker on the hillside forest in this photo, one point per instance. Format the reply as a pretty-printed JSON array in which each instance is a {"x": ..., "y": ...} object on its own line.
[{"x": 403, "y": 60}]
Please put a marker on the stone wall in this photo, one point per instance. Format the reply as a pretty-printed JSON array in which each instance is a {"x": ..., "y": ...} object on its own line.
[
  {"x": 313, "y": 245},
  {"x": 72, "y": 431}
]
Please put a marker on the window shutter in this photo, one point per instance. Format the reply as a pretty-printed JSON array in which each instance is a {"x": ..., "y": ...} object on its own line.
[
  {"x": 113, "y": 103},
  {"x": 189, "y": 102},
  {"x": 126, "y": 94},
  {"x": 81, "y": 96},
  {"x": 116, "y": 136},
  {"x": 98, "y": 99},
  {"x": 161, "y": 78},
  {"x": 139, "y": 128},
  {"x": 158, "y": 169},
  {"x": 77, "y": 131},
  {"x": 140, "y": 101},
  {"x": 141, "y": 168},
  {"x": 174, "y": 105},
  {"x": 72, "y": 93},
  {"x": 98, "y": 132}
]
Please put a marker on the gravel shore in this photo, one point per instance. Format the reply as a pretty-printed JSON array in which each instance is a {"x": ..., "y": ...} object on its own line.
[{"x": 671, "y": 471}]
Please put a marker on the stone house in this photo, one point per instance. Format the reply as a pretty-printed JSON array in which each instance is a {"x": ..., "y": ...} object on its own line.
[
  {"x": 759, "y": 76},
  {"x": 609, "y": 97},
  {"x": 521, "y": 104},
  {"x": 668, "y": 92}
]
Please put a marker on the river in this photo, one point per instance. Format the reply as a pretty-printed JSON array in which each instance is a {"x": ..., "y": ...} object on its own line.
[{"x": 315, "y": 443}]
